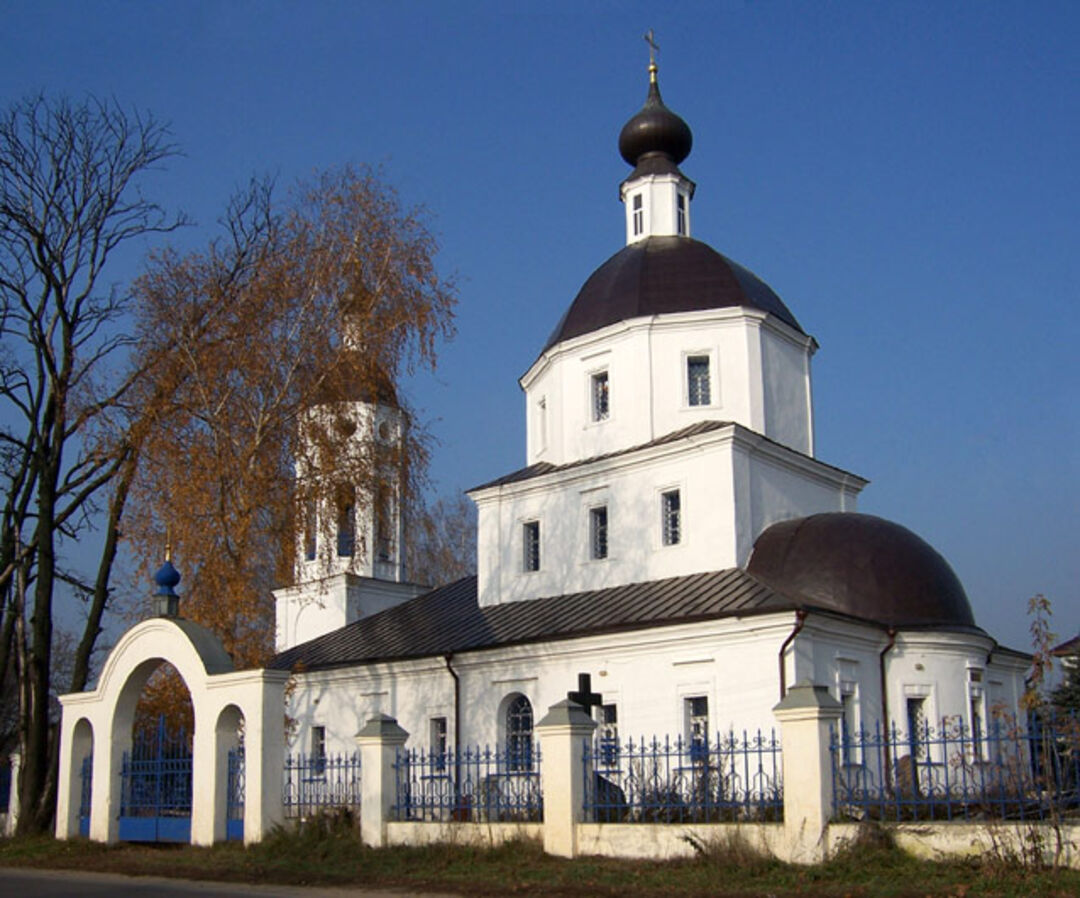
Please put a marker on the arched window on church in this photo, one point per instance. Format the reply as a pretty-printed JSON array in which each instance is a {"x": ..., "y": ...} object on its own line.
[{"x": 519, "y": 734}]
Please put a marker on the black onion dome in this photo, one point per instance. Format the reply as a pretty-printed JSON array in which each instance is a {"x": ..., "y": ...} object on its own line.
[
  {"x": 861, "y": 565},
  {"x": 655, "y": 130},
  {"x": 661, "y": 275}
]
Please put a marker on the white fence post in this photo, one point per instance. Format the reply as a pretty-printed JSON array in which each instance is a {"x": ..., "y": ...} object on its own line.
[
  {"x": 13, "y": 796},
  {"x": 379, "y": 740},
  {"x": 564, "y": 732},
  {"x": 806, "y": 715}
]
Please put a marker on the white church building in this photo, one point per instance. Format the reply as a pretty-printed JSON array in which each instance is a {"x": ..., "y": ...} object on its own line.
[{"x": 672, "y": 534}]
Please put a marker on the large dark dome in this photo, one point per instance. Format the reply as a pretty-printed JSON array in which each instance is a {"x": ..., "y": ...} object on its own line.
[
  {"x": 660, "y": 275},
  {"x": 864, "y": 566}
]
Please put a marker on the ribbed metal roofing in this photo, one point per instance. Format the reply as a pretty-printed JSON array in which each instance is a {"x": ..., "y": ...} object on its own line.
[{"x": 449, "y": 619}]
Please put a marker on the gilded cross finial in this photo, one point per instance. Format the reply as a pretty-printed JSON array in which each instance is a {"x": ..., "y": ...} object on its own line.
[
  {"x": 654, "y": 48},
  {"x": 168, "y": 542}
]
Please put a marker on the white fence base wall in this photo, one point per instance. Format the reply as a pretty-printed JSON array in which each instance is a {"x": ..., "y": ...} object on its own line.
[
  {"x": 480, "y": 834},
  {"x": 937, "y": 841},
  {"x": 668, "y": 841},
  {"x": 671, "y": 841}
]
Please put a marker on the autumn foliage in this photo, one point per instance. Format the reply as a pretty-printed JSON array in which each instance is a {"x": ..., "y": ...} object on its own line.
[{"x": 329, "y": 294}]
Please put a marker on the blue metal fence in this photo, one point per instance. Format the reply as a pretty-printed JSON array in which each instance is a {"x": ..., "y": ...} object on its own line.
[
  {"x": 155, "y": 802},
  {"x": 86, "y": 792},
  {"x": 1013, "y": 770},
  {"x": 472, "y": 785},
  {"x": 734, "y": 777},
  {"x": 317, "y": 782},
  {"x": 5, "y": 784}
]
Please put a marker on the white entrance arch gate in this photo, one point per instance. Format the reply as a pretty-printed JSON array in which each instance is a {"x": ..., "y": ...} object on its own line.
[{"x": 98, "y": 724}]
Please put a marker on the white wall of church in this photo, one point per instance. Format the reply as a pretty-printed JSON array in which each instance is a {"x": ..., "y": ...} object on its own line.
[
  {"x": 759, "y": 371},
  {"x": 649, "y": 675},
  {"x": 731, "y": 484}
]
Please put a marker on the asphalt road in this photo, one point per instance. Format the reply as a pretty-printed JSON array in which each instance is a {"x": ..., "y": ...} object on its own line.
[{"x": 17, "y": 883}]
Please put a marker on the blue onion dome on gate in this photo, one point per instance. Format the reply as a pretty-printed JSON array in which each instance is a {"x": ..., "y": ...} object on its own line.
[
  {"x": 167, "y": 578},
  {"x": 863, "y": 566},
  {"x": 655, "y": 133}
]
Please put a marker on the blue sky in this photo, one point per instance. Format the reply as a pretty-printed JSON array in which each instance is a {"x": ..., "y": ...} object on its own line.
[{"x": 904, "y": 175}]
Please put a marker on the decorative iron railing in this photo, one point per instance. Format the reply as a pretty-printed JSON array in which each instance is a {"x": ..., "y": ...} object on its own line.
[
  {"x": 730, "y": 778},
  {"x": 1013, "y": 770},
  {"x": 317, "y": 782},
  {"x": 473, "y": 785}
]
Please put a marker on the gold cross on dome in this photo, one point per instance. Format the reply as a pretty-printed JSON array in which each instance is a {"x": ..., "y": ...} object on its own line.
[{"x": 654, "y": 47}]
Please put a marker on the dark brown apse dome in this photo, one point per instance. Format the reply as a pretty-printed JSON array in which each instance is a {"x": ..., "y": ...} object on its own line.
[
  {"x": 661, "y": 275},
  {"x": 864, "y": 566}
]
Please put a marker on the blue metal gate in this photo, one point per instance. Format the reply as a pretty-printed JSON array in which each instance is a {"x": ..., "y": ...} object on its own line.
[
  {"x": 155, "y": 802},
  {"x": 234, "y": 805},
  {"x": 85, "y": 794}
]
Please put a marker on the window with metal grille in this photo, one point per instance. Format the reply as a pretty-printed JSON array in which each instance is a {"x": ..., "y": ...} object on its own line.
[
  {"x": 318, "y": 750},
  {"x": 697, "y": 726},
  {"x": 639, "y": 215},
  {"x": 608, "y": 734},
  {"x": 437, "y": 741},
  {"x": 519, "y": 734},
  {"x": 671, "y": 517},
  {"x": 917, "y": 727},
  {"x": 530, "y": 538},
  {"x": 680, "y": 208},
  {"x": 600, "y": 397},
  {"x": 598, "y": 532},
  {"x": 698, "y": 388}
]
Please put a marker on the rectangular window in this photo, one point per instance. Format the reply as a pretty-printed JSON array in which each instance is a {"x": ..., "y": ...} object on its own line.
[
  {"x": 608, "y": 734},
  {"x": 975, "y": 693},
  {"x": 598, "y": 536},
  {"x": 848, "y": 726},
  {"x": 601, "y": 407},
  {"x": 310, "y": 530},
  {"x": 680, "y": 206},
  {"x": 917, "y": 728},
  {"x": 698, "y": 388},
  {"x": 318, "y": 751},
  {"x": 383, "y": 524},
  {"x": 346, "y": 525},
  {"x": 696, "y": 709},
  {"x": 639, "y": 215},
  {"x": 437, "y": 742},
  {"x": 670, "y": 517},
  {"x": 541, "y": 424},
  {"x": 530, "y": 538}
]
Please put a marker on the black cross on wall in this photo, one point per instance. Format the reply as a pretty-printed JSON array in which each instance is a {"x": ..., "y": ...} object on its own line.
[{"x": 584, "y": 695}]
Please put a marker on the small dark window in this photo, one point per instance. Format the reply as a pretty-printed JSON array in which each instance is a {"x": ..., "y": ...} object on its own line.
[
  {"x": 530, "y": 533},
  {"x": 671, "y": 517},
  {"x": 697, "y": 380},
  {"x": 608, "y": 733},
  {"x": 680, "y": 204},
  {"x": 639, "y": 215},
  {"x": 598, "y": 532}
]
